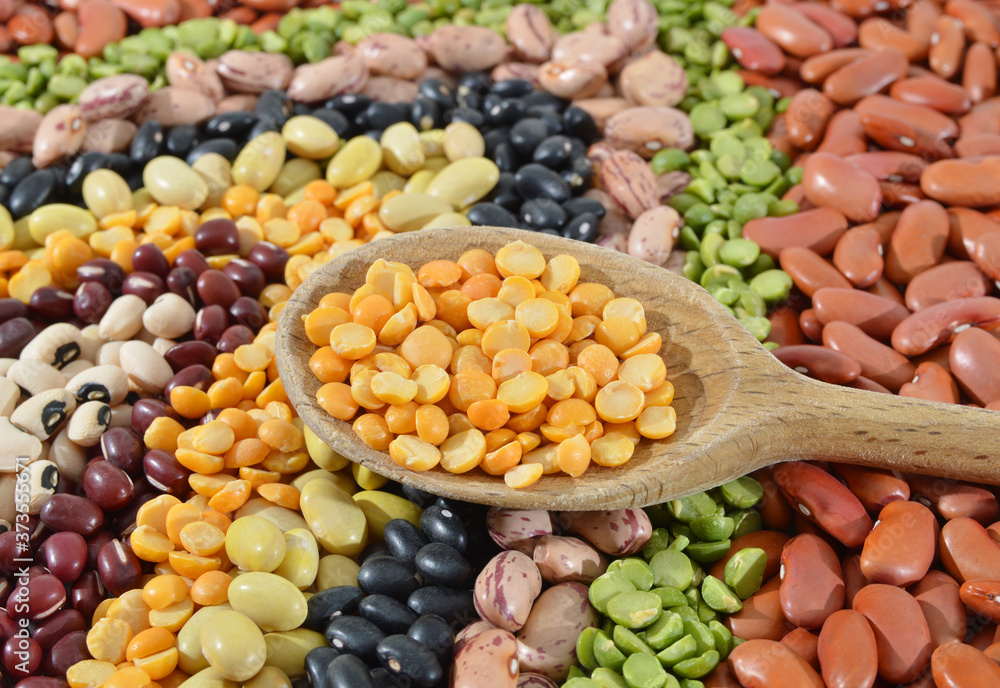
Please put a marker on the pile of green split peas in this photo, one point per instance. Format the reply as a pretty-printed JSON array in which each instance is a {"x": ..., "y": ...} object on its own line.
[{"x": 661, "y": 612}]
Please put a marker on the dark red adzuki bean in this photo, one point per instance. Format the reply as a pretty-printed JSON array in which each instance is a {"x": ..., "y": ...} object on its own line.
[
  {"x": 120, "y": 570},
  {"x": 192, "y": 259},
  {"x": 217, "y": 237},
  {"x": 72, "y": 513},
  {"x": 235, "y": 337},
  {"x": 209, "y": 324},
  {"x": 270, "y": 258},
  {"x": 107, "y": 272},
  {"x": 146, "y": 285},
  {"x": 124, "y": 448},
  {"x": 149, "y": 258},
  {"x": 186, "y": 354},
  {"x": 65, "y": 555},
  {"x": 91, "y": 301},
  {"x": 51, "y": 303},
  {"x": 107, "y": 486},
  {"x": 165, "y": 472},
  {"x": 249, "y": 278}
]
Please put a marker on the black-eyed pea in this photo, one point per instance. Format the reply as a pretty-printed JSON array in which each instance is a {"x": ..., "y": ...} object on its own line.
[
  {"x": 44, "y": 413},
  {"x": 57, "y": 345},
  {"x": 88, "y": 423},
  {"x": 18, "y": 443},
  {"x": 414, "y": 453},
  {"x": 657, "y": 422},
  {"x": 34, "y": 376},
  {"x": 10, "y": 394}
]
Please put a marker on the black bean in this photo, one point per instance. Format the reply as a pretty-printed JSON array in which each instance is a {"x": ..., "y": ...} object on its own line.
[
  {"x": 527, "y": 134},
  {"x": 11, "y": 308},
  {"x": 583, "y": 204},
  {"x": 384, "y": 679},
  {"x": 349, "y": 672},
  {"x": 441, "y": 564},
  {"x": 506, "y": 157},
  {"x": 579, "y": 174},
  {"x": 404, "y": 656},
  {"x": 553, "y": 152},
  {"x": 349, "y": 104},
  {"x": 51, "y": 303},
  {"x": 535, "y": 181},
  {"x": 373, "y": 134},
  {"x": 438, "y": 92},
  {"x": 300, "y": 109},
  {"x": 389, "y": 614},
  {"x": 512, "y": 88},
  {"x": 328, "y": 604},
  {"x": 381, "y": 115},
  {"x": 181, "y": 139},
  {"x": 39, "y": 188},
  {"x": 468, "y": 115},
  {"x": 274, "y": 106},
  {"x": 404, "y": 539},
  {"x": 317, "y": 663},
  {"x": 425, "y": 113},
  {"x": 227, "y": 148},
  {"x": 262, "y": 127},
  {"x": 16, "y": 170},
  {"x": 355, "y": 636},
  {"x": 335, "y": 119},
  {"x": 150, "y": 258},
  {"x": 543, "y": 213},
  {"x": 231, "y": 125},
  {"x": 491, "y": 214},
  {"x": 14, "y": 336},
  {"x": 583, "y": 227},
  {"x": 580, "y": 124},
  {"x": 388, "y": 576},
  {"x": 454, "y": 606},
  {"x": 185, "y": 354},
  {"x": 147, "y": 142},
  {"x": 442, "y": 524},
  {"x": 494, "y": 137},
  {"x": 120, "y": 163},
  {"x": 475, "y": 83},
  {"x": 543, "y": 99},
  {"x": 435, "y": 634},
  {"x": 551, "y": 120},
  {"x": 80, "y": 168},
  {"x": 182, "y": 281},
  {"x": 417, "y": 496}
]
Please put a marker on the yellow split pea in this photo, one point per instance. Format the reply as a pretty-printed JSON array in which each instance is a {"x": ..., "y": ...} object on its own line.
[{"x": 505, "y": 363}]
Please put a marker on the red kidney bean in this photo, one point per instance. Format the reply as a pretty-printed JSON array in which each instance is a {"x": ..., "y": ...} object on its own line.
[
  {"x": 809, "y": 271},
  {"x": 771, "y": 541},
  {"x": 753, "y": 50},
  {"x": 946, "y": 282},
  {"x": 812, "y": 583},
  {"x": 934, "y": 92},
  {"x": 878, "y": 362},
  {"x": 890, "y": 165},
  {"x": 805, "y": 645},
  {"x": 67, "y": 651},
  {"x": 874, "y": 315},
  {"x": 900, "y": 195},
  {"x": 930, "y": 121},
  {"x": 858, "y": 256},
  {"x": 975, "y": 145},
  {"x": 793, "y": 31},
  {"x": 769, "y": 664},
  {"x": 761, "y": 616},
  {"x": 72, "y": 513},
  {"x": 848, "y": 654},
  {"x": 947, "y": 47},
  {"x": 831, "y": 182},
  {"x": 210, "y": 323},
  {"x": 785, "y": 329},
  {"x": 976, "y": 19},
  {"x": 901, "y": 633},
  {"x": 817, "y": 68},
  {"x": 48, "y": 633},
  {"x": 877, "y": 33},
  {"x": 817, "y": 230},
  {"x": 937, "y": 593},
  {"x": 150, "y": 258},
  {"x": 900, "y": 548},
  {"x": 935, "y": 325},
  {"x": 775, "y": 511},
  {"x": 967, "y": 550},
  {"x": 973, "y": 357},
  {"x": 854, "y": 580},
  {"x": 979, "y": 75},
  {"x": 954, "y": 499},
  {"x": 249, "y": 278},
  {"x": 962, "y": 666},
  {"x": 66, "y": 555},
  {"x": 842, "y": 30},
  {"x": 824, "y": 500},
  {"x": 898, "y": 134},
  {"x": 107, "y": 486},
  {"x": 819, "y": 362},
  {"x": 874, "y": 487},
  {"x": 967, "y": 226},
  {"x": 921, "y": 18},
  {"x": 868, "y": 385},
  {"x": 987, "y": 255},
  {"x": 932, "y": 383},
  {"x": 812, "y": 328},
  {"x": 918, "y": 242},
  {"x": 866, "y": 76},
  {"x": 807, "y": 117},
  {"x": 964, "y": 182},
  {"x": 982, "y": 597}
]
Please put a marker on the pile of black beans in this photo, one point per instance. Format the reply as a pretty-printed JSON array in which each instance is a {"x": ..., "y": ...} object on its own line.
[
  {"x": 397, "y": 627},
  {"x": 538, "y": 141}
]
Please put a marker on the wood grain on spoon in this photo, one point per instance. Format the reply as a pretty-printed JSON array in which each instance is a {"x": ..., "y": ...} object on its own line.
[{"x": 738, "y": 408}]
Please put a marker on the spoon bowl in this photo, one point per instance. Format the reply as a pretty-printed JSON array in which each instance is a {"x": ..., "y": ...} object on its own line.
[{"x": 738, "y": 408}]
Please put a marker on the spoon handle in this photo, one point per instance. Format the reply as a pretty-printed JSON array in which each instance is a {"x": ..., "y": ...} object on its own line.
[{"x": 887, "y": 431}]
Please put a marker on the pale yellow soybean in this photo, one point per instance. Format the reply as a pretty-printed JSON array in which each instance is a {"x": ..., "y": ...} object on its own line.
[
  {"x": 310, "y": 137},
  {"x": 411, "y": 211},
  {"x": 355, "y": 162},
  {"x": 260, "y": 161},
  {"x": 106, "y": 193},
  {"x": 270, "y": 601},
  {"x": 59, "y": 216},
  {"x": 233, "y": 645},
  {"x": 401, "y": 149},
  {"x": 333, "y": 517},
  {"x": 464, "y": 182},
  {"x": 171, "y": 181},
  {"x": 6, "y": 229}
]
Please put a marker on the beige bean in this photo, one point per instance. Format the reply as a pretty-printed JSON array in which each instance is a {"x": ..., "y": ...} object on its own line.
[
  {"x": 108, "y": 136},
  {"x": 530, "y": 33},
  {"x": 171, "y": 106},
  {"x": 185, "y": 70},
  {"x": 467, "y": 48},
  {"x": 112, "y": 97},
  {"x": 247, "y": 72},
  {"x": 646, "y": 130},
  {"x": 654, "y": 79},
  {"x": 18, "y": 132},
  {"x": 60, "y": 133},
  {"x": 389, "y": 54},
  {"x": 328, "y": 78}
]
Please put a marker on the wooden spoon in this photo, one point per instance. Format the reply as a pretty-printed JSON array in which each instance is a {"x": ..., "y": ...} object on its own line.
[{"x": 738, "y": 408}]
